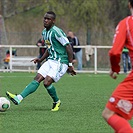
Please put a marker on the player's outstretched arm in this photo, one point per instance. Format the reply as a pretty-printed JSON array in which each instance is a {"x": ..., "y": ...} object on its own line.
[
  {"x": 45, "y": 55},
  {"x": 35, "y": 60}
]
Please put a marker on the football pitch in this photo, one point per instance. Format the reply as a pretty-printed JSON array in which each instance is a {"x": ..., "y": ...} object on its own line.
[{"x": 83, "y": 98}]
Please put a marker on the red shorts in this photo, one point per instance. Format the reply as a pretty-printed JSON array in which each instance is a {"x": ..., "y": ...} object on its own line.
[
  {"x": 124, "y": 91},
  {"x": 113, "y": 106}
]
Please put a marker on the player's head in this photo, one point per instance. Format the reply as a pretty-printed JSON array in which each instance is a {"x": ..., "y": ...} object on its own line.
[
  {"x": 130, "y": 3},
  {"x": 49, "y": 19}
]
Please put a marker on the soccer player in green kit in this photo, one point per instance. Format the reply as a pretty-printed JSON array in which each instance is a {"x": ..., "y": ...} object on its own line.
[{"x": 59, "y": 56}]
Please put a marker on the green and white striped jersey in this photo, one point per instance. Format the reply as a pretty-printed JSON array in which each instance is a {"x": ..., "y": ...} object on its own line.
[{"x": 56, "y": 40}]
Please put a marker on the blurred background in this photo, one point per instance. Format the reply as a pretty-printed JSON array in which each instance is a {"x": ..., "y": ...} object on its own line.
[{"x": 92, "y": 21}]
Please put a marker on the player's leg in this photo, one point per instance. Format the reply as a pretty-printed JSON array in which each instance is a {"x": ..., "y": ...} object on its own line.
[
  {"x": 52, "y": 92},
  {"x": 50, "y": 88},
  {"x": 119, "y": 106},
  {"x": 56, "y": 71},
  {"x": 30, "y": 88},
  {"x": 118, "y": 123}
]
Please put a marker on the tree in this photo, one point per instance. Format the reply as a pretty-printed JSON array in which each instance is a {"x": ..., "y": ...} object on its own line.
[
  {"x": 118, "y": 10},
  {"x": 91, "y": 18},
  {"x": 88, "y": 14}
]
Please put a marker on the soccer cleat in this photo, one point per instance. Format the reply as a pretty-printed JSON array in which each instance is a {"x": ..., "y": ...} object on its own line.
[
  {"x": 13, "y": 98},
  {"x": 56, "y": 106}
]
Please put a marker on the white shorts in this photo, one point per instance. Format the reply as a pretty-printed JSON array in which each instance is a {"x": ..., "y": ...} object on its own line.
[{"x": 54, "y": 69}]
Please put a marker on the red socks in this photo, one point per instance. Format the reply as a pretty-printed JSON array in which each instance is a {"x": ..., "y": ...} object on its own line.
[{"x": 119, "y": 124}]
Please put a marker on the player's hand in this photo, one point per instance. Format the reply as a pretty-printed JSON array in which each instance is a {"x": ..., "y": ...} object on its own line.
[
  {"x": 113, "y": 74},
  {"x": 36, "y": 60},
  {"x": 71, "y": 70}
]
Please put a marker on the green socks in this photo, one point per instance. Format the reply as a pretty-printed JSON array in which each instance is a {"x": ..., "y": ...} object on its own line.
[
  {"x": 52, "y": 92},
  {"x": 30, "y": 88}
]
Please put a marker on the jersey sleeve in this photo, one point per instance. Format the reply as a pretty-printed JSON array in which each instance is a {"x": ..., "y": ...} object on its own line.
[
  {"x": 118, "y": 44},
  {"x": 62, "y": 38}
]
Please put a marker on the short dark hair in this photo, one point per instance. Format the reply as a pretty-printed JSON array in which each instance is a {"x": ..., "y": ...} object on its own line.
[
  {"x": 52, "y": 13},
  {"x": 131, "y": 2}
]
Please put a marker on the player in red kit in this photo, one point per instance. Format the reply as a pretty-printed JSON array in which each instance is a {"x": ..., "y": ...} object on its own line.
[{"x": 119, "y": 108}]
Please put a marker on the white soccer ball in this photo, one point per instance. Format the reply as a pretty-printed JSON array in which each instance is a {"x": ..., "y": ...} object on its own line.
[{"x": 4, "y": 104}]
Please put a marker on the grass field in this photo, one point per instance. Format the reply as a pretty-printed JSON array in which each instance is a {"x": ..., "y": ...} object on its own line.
[{"x": 83, "y": 98}]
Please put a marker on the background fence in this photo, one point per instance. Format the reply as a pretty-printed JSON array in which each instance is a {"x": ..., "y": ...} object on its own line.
[{"x": 98, "y": 63}]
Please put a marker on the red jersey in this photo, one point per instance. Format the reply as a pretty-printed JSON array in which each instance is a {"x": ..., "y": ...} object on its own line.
[{"x": 123, "y": 37}]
